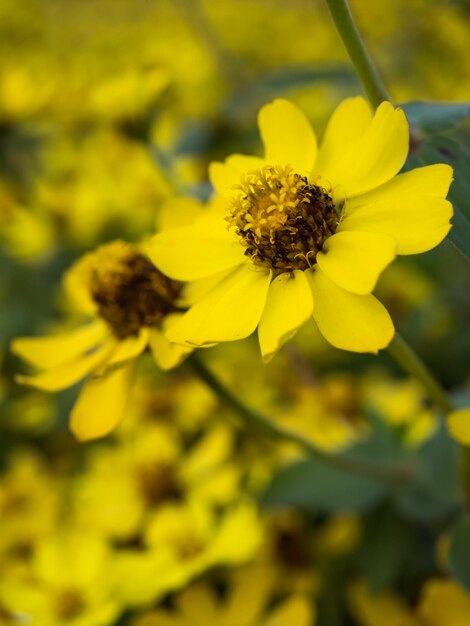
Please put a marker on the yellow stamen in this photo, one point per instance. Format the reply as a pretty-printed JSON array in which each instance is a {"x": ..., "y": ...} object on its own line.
[{"x": 282, "y": 219}]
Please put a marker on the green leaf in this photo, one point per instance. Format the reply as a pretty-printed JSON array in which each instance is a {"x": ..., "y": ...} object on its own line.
[
  {"x": 443, "y": 136},
  {"x": 313, "y": 486},
  {"x": 383, "y": 549},
  {"x": 435, "y": 493},
  {"x": 459, "y": 551}
]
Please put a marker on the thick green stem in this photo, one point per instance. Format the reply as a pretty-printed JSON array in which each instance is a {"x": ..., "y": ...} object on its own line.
[
  {"x": 407, "y": 358},
  {"x": 265, "y": 426},
  {"x": 361, "y": 59}
]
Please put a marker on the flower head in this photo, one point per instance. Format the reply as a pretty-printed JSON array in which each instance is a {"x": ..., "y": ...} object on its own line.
[
  {"x": 304, "y": 232},
  {"x": 131, "y": 303}
]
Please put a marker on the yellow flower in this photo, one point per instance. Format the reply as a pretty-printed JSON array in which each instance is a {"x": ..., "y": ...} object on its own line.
[
  {"x": 183, "y": 541},
  {"x": 305, "y": 232},
  {"x": 444, "y": 603},
  {"x": 150, "y": 469},
  {"x": 68, "y": 583},
  {"x": 246, "y": 604},
  {"x": 458, "y": 425},
  {"x": 385, "y": 608},
  {"x": 131, "y": 302},
  {"x": 30, "y": 503}
]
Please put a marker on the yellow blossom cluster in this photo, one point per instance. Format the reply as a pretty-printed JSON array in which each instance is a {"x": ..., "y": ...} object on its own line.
[{"x": 210, "y": 242}]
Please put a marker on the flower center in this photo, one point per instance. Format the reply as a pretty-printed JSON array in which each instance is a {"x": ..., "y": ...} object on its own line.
[
  {"x": 130, "y": 292},
  {"x": 158, "y": 483},
  {"x": 282, "y": 219},
  {"x": 69, "y": 604}
]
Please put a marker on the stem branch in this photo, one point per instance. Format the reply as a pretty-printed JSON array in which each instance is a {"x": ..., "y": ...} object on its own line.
[
  {"x": 264, "y": 425},
  {"x": 407, "y": 358},
  {"x": 360, "y": 57}
]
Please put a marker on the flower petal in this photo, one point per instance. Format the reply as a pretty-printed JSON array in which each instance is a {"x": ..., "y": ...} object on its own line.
[
  {"x": 191, "y": 253},
  {"x": 347, "y": 320},
  {"x": 296, "y": 610},
  {"x": 458, "y": 425},
  {"x": 177, "y": 212},
  {"x": 49, "y": 352},
  {"x": 197, "y": 289},
  {"x": 416, "y": 223},
  {"x": 372, "y": 159},
  {"x": 230, "y": 311},
  {"x": 349, "y": 122},
  {"x": 355, "y": 260},
  {"x": 102, "y": 403},
  {"x": 167, "y": 355},
  {"x": 287, "y": 136},
  {"x": 130, "y": 348},
  {"x": 289, "y": 304},
  {"x": 431, "y": 180},
  {"x": 69, "y": 373},
  {"x": 243, "y": 163},
  {"x": 223, "y": 178}
]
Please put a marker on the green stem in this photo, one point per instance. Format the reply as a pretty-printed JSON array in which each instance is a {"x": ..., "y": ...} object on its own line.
[
  {"x": 407, "y": 358},
  {"x": 411, "y": 363},
  {"x": 264, "y": 425},
  {"x": 361, "y": 59}
]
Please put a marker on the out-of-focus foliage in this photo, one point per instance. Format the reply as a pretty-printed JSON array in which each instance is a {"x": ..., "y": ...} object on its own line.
[{"x": 108, "y": 109}]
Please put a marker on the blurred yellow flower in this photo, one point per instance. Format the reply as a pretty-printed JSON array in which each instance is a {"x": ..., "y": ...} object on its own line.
[
  {"x": 246, "y": 604},
  {"x": 183, "y": 540},
  {"x": 401, "y": 403},
  {"x": 68, "y": 584},
  {"x": 308, "y": 232},
  {"x": 444, "y": 603},
  {"x": 458, "y": 425},
  {"x": 131, "y": 302},
  {"x": 30, "y": 502},
  {"x": 385, "y": 608},
  {"x": 152, "y": 468}
]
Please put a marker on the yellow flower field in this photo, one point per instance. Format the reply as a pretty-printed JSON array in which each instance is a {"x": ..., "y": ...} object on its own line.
[{"x": 235, "y": 382}]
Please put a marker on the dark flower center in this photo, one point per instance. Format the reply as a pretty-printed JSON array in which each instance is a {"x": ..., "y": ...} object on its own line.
[
  {"x": 132, "y": 293},
  {"x": 282, "y": 219}
]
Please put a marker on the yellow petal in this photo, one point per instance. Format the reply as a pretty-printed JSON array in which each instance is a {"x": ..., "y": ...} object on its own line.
[
  {"x": 167, "y": 355},
  {"x": 48, "y": 352},
  {"x": 443, "y": 603},
  {"x": 244, "y": 163},
  {"x": 347, "y": 320},
  {"x": 102, "y": 403},
  {"x": 386, "y": 608},
  {"x": 197, "y": 289},
  {"x": 214, "y": 214},
  {"x": 223, "y": 178},
  {"x": 287, "y": 136},
  {"x": 355, "y": 260},
  {"x": 416, "y": 223},
  {"x": 346, "y": 126},
  {"x": 177, "y": 212},
  {"x": 192, "y": 253},
  {"x": 296, "y": 610},
  {"x": 230, "y": 311},
  {"x": 199, "y": 598},
  {"x": 160, "y": 617},
  {"x": 289, "y": 304},
  {"x": 130, "y": 348},
  {"x": 431, "y": 180},
  {"x": 69, "y": 373},
  {"x": 458, "y": 425},
  {"x": 374, "y": 158}
]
